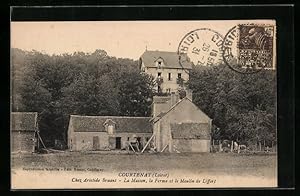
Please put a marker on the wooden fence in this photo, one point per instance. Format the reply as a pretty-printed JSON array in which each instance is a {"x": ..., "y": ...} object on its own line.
[{"x": 235, "y": 147}]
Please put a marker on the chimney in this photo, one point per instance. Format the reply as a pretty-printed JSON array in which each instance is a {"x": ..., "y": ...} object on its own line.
[
  {"x": 174, "y": 98},
  {"x": 189, "y": 94},
  {"x": 160, "y": 104}
]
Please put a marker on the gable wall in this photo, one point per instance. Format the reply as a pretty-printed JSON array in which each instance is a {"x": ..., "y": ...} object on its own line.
[{"x": 177, "y": 115}]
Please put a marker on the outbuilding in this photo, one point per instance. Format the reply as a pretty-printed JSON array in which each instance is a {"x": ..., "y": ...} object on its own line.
[
  {"x": 180, "y": 126},
  {"x": 23, "y": 129},
  {"x": 87, "y": 133}
]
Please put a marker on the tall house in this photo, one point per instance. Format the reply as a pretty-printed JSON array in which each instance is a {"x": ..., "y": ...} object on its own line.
[{"x": 170, "y": 70}]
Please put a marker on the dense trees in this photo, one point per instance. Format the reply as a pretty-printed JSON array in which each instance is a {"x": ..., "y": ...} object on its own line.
[
  {"x": 242, "y": 106},
  {"x": 86, "y": 84}
]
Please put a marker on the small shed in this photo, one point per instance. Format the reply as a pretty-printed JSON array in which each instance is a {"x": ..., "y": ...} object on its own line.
[
  {"x": 23, "y": 127},
  {"x": 191, "y": 137}
]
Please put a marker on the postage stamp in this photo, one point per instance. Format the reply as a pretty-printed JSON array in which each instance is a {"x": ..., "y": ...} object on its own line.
[{"x": 249, "y": 48}]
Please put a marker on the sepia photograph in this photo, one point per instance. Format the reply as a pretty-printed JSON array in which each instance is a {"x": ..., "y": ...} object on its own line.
[{"x": 143, "y": 104}]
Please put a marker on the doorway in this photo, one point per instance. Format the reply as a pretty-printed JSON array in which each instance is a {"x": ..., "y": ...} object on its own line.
[
  {"x": 118, "y": 142},
  {"x": 139, "y": 140},
  {"x": 96, "y": 143}
]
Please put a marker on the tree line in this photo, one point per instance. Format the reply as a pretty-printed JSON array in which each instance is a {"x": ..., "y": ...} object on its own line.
[
  {"x": 243, "y": 107},
  {"x": 80, "y": 83}
]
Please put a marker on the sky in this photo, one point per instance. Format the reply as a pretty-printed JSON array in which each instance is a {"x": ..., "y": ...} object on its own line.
[{"x": 124, "y": 39}]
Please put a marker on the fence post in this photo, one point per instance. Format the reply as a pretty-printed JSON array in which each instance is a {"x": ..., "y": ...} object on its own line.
[
  {"x": 259, "y": 146},
  {"x": 272, "y": 146},
  {"x": 231, "y": 148}
]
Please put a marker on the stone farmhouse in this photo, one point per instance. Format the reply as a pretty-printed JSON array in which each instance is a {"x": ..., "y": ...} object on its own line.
[
  {"x": 176, "y": 125},
  {"x": 23, "y": 129},
  {"x": 168, "y": 68},
  {"x": 106, "y": 132}
]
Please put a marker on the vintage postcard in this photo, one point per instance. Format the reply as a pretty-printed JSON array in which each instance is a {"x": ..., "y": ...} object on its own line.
[{"x": 143, "y": 104}]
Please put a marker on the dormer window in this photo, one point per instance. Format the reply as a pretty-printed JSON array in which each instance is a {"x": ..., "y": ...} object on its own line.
[
  {"x": 110, "y": 126},
  {"x": 159, "y": 63},
  {"x": 110, "y": 129}
]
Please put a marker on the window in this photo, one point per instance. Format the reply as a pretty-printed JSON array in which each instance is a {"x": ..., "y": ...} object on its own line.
[
  {"x": 159, "y": 64},
  {"x": 159, "y": 74},
  {"x": 179, "y": 75},
  {"x": 110, "y": 126},
  {"x": 169, "y": 76},
  {"x": 110, "y": 129}
]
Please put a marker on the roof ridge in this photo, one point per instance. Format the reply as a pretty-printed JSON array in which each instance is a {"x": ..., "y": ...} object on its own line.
[
  {"x": 24, "y": 112},
  {"x": 160, "y": 51},
  {"x": 87, "y": 116}
]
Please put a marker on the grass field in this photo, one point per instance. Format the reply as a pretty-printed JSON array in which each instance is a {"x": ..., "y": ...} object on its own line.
[{"x": 213, "y": 163}]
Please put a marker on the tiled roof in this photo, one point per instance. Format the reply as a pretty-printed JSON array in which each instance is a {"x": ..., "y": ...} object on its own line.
[
  {"x": 190, "y": 131},
  {"x": 123, "y": 124},
  {"x": 23, "y": 121},
  {"x": 171, "y": 59}
]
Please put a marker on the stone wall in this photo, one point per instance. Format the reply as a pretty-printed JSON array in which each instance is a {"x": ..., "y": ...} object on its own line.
[
  {"x": 191, "y": 145},
  {"x": 81, "y": 141},
  {"x": 23, "y": 141}
]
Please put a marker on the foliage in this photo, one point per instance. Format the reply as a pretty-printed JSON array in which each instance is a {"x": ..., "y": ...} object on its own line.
[
  {"x": 180, "y": 81},
  {"x": 135, "y": 91},
  {"x": 242, "y": 106},
  {"x": 80, "y": 83}
]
